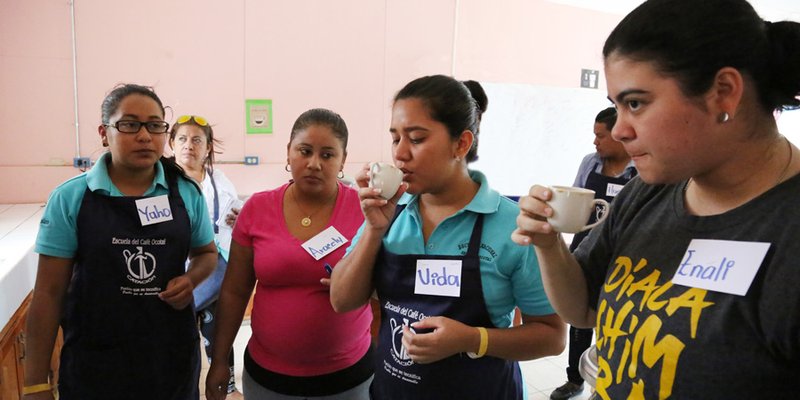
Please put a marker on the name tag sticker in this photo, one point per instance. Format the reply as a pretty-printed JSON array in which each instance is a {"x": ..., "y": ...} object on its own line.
[
  {"x": 324, "y": 243},
  {"x": 153, "y": 210},
  {"x": 612, "y": 189},
  {"x": 720, "y": 265},
  {"x": 438, "y": 278}
]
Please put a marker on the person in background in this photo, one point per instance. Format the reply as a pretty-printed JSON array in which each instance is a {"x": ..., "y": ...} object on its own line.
[
  {"x": 692, "y": 279},
  {"x": 605, "y": 171},
  {"x": 282, "y": 242},
  {"x": 192, "y": 141},
  {"x": 112, "y": 248},
  {"x": 445, "y": 221}
]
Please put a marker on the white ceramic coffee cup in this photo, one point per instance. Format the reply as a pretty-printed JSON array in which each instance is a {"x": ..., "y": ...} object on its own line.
[
  {"x": 572, "y": 207},
  {"x": 386, "y": 177}
]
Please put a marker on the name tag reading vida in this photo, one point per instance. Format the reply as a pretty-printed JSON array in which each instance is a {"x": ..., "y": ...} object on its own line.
[
  {"x": 153, "y": 210},
  {"x": 438, "y": 278},
  {"x": 324, "y": 243},
  {"x": 612, "y": 189},
  {"x": 723, "y": 266}
]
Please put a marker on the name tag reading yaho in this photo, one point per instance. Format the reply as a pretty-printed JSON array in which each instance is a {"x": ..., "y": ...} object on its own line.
[
  {"x": 723, "y": 266},
  {"x": 153, "y": 210},
  {"x": 612, "y": 189},
  {"x": 438, "y": 278},
  {"x": 324, "y": 243}
]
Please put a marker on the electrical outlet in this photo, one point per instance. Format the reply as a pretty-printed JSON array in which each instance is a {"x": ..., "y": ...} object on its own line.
[
  {"x": 589, "y": 78},
  {"x": 82, "y": 162},
  {"x": 250, "y": 160}
]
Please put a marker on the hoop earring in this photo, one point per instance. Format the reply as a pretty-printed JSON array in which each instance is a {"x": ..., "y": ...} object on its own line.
[
  {"x": 723, "y": 117},
  {"x": 340, "y": 175},
  {"x": 287, "y": 168}
]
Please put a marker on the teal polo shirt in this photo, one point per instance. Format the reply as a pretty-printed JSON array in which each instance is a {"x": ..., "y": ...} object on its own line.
[
  {"x": 58, "y": 229},
  {"x": 509, "y": 272}
]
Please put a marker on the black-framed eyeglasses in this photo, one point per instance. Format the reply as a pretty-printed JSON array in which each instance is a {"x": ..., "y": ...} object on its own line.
[{"x": 132, "y": 126}]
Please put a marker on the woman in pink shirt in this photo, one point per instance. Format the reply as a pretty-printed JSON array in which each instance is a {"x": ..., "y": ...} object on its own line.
[{"x": 285, "y": 242}]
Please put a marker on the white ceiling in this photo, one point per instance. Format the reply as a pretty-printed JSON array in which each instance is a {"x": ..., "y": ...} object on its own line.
[{"x": 772, "y": 10}]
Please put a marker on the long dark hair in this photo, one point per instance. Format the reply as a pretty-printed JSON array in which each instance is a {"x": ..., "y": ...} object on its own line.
[
  {"x": 321, "y": 116},
  {"x": 691, "y": 40},
  {"x": 111, "y": 104},
  {"x": 448, "y": 101}
]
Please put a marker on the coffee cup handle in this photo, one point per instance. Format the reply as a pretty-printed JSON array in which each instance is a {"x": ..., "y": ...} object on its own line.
[
  {"x": 371, "y": 173},
  {"x": 602, "y": 216}
]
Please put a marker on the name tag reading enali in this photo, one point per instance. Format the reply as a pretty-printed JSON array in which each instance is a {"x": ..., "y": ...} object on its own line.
[
  {"x": 724, "y": 266},
  {"x": 438, "y": 278},
  {"x": 153, "y": 210}
]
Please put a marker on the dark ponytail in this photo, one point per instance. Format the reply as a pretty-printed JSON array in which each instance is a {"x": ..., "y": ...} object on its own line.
[
  {"x": 692, "y": 40},
  {"x": 449, "y": 102},
  {"x": 783, "y": 85},
  {"x": 110, "y": 105},
  {"x": 481, "y": 104},
  {"x": 118, "y": 93}
]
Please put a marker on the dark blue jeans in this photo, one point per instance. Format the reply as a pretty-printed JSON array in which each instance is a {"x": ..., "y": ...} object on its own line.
[{"x": 579, "y": 341}]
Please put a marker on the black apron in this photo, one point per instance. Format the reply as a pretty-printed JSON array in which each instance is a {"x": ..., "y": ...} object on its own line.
[
  {"x": 599, "y": 183},
  {"x": 120, "y": 340},
  {"x": 455, "y": 377}
]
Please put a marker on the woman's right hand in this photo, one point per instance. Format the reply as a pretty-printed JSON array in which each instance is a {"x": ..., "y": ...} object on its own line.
[
  {"x": 532, "y": 226},
  {"x": 378, "y": 212},
  {"x": 217, "y": 381},
  {"x": 230, "y": 219}
]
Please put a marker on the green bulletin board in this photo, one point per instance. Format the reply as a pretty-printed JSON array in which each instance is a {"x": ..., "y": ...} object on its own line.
[{"x": 259, "y": 115}]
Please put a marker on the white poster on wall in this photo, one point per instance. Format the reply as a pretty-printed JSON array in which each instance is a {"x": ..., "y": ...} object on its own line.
[{"x": 535, "y": 134}]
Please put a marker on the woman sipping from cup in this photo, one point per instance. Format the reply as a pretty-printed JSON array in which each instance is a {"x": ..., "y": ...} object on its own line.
[
  {"x": 692, "y": 281},
  {"x": 435, "y": 254}
]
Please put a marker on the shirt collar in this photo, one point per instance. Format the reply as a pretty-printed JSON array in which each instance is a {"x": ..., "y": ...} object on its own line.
[
  {"x": 599, "y": 165},
  {"x": 97, "y": 178}
]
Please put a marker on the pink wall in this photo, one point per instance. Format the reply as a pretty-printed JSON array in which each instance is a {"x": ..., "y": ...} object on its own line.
[{"x": 206, "y": 57}]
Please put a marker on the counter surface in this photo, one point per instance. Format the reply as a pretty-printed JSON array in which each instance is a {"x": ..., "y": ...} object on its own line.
[{"x": 19, "y": 224}]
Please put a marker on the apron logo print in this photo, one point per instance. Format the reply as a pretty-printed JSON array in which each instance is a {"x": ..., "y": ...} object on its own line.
[
  {"x": 141, "y": 265},
  {"x": 399, "y": 352}
]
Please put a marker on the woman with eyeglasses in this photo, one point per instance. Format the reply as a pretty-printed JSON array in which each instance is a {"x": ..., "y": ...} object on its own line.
[
  {"x": 284, "y": 243},
  {"x": 192, "y": 141},
  {"x": 112, "y": 247}
]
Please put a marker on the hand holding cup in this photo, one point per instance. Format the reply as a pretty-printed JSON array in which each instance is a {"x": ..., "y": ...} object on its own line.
[
  {"x": 544, "y": 213},
  {"x": 377, "y": 193}
]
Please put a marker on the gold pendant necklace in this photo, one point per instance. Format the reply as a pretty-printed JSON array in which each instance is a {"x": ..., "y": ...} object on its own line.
[{"x": 306, "y": 221}]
